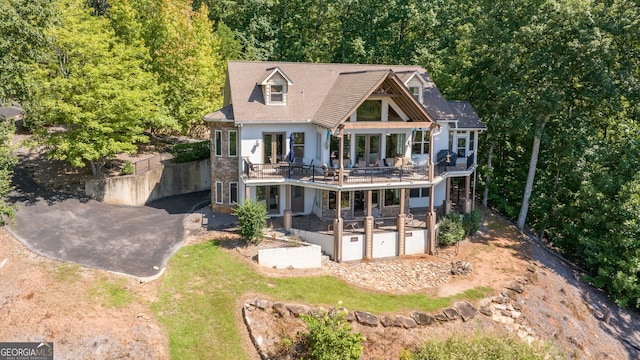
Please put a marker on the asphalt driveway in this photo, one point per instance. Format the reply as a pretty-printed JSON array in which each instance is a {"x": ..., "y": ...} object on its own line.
[{"x": 136, "y": 241}]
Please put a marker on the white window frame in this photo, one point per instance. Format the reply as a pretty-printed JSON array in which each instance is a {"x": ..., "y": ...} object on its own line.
[
  {"x": 461, "y": 136},
  {"x": 422, "y": 193},
  {"x": 229, "y": 143},
  {"x": 416, "y": 91},
  {"x": 217, "y": 143},
  {"x": 424, "y": 143},
  {"x": 231, "y": 184},
  {"x": 219, "y": 195},
  {"x": 281, "y": 93}
]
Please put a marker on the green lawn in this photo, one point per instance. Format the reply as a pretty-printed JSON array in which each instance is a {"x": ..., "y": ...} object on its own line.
[{"x": 199, "y": 292}]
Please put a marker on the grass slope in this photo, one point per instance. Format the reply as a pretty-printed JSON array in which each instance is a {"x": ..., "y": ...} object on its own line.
[{"x": 199, "y": 292}]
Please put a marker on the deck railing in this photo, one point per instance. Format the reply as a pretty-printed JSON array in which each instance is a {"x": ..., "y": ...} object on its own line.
[{"x": 364, "y": 175}]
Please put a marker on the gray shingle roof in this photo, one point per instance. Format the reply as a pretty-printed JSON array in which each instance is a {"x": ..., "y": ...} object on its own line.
[
  {"x": 326, "y": 94},
  {"x": 466, "y": 115},
  {"x": 224, "y": 114},
  {"x": 348, "y": 91}
]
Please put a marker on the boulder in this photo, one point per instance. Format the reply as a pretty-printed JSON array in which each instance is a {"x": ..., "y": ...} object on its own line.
[
  {"x": 422, "y": 318},
  {"x": 441, "y": 317},
  {"x": 297, "y": 309},
  {"x": 460, "y": 268},
  {"x": 367, "y": 319},
  {"x": 515, "y": 286},
  {"x": 466, "y": 310},
  {"x": 451, "y": 313},
  {"x": 486, "y": 310},
  {"x": 260, "y": 304},
  {"x": 280, "y": 309},
  {"x": 407, "y": 322},
  {"x": 387, "y": 321}
]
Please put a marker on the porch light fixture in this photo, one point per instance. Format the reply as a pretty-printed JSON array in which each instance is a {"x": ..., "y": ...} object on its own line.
[{"x": 257, "y": 142}]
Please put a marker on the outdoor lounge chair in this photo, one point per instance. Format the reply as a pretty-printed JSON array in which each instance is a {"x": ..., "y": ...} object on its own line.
[
  {"x": 255, "y": 170},
  {"x": 329, "y": 172},
  {"x": 349, "y": 222}
]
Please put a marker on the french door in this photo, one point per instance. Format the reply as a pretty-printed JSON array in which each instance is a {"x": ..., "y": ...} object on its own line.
[
  {"x": 368, "y": 149},
  {"x": 274, "y": 147}
]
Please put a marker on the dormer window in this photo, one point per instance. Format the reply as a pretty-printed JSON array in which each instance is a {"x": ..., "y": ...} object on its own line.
[
  {"x": 415, "y": 83},
  {"x": 416, "y": 91},
  {"x": 274, "y": 87},
  {"x": 276, "y": 94}
]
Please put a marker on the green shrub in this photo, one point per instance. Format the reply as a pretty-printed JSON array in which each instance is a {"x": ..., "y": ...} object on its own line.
[
  {"x": 330, "y": 337},
  {"x": 190, "y": 151},
  {"x": 471, "y": 223},
  {"x": 450, "y": 230},
  {"x": 128, "y": 168},
  {"x": 483, "y": 347},
  {"x": 252, "y": 219}
]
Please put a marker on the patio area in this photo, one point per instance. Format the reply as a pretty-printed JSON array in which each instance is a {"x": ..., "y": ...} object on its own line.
[{"x": 354, "y": 225}]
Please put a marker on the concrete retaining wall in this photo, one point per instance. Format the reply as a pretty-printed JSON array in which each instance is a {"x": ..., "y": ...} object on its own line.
[
  {"x": 165, "y": 180},
  {"x": 325, "y": 241},
  {"x": 298, "y": 257},
  {"x": 416, "y": 243}
]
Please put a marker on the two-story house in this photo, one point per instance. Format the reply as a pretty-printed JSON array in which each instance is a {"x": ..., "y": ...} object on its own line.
[{"x": 358, "y": 146}]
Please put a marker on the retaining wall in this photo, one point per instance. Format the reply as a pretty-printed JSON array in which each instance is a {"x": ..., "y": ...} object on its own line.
[
  {"x": 165, "y": 180},
  {"x": 298, "y": 257}
]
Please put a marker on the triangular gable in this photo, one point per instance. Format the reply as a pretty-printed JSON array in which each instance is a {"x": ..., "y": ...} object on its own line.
[
  {"x": 351, "y": 89},
  {"x": 271, "y": 72},
  {"x": 414, "y": 75},
  {"x": 347, "y": 93}
]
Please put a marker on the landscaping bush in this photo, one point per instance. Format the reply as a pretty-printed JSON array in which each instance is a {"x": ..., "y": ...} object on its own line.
[
  {"x": 252, "y": 219},
  {"x": 128, "y": 168},
  {"x": 481, "y": 347},
  {"x": 450, "y": 230},
  {"x": 190, "y": 151},
  {"x": 330, "y": 337},
  {"x": 471, "y": 223}
]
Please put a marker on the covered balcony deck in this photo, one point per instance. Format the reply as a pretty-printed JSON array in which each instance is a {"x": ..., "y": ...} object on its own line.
[{"x": 315, "y": 173}]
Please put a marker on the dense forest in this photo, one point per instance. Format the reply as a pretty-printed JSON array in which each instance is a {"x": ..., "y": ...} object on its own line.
[{"x": 555, "y": 81}]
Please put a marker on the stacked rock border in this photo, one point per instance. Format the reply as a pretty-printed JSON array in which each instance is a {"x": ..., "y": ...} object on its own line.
[{"x": 503, "y": 308}]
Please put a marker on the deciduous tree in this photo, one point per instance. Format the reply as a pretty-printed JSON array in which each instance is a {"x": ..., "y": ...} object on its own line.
[
  {"x": 22, "y": 41},
  {"x": 7, "y": 162},
  {"x": 95, "y": 90}
]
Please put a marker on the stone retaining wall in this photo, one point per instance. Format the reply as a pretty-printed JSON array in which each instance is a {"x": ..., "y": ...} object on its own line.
[{"x": 503, "y": 308}]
